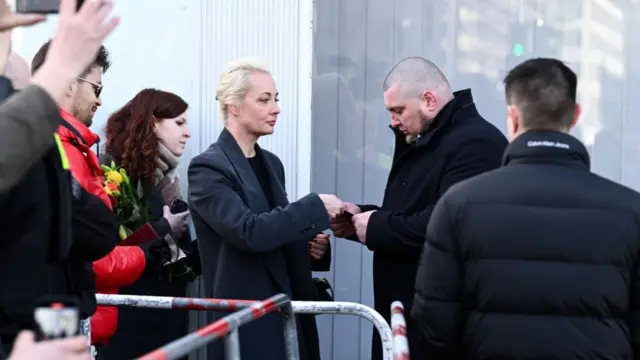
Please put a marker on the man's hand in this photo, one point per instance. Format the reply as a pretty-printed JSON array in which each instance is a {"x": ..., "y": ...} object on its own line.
[
  {"x": 26, "y": 348},
  {"x": 318, "y": 246},
  {"x": 75, "y": 44},
  {"x": 10, "y": 20},
  {"x": 360, "y": 222},
  {"x": 342, "y": 225},
  {"x": 80, "y": 34}
]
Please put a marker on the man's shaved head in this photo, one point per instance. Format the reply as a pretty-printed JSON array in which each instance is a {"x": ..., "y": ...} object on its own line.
[
  {"x": 414, "y": 75},
  {"x": 415, "y": 91}
]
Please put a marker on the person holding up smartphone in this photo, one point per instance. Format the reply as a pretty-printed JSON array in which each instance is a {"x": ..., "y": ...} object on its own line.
[{"x": 34, "y": 176}]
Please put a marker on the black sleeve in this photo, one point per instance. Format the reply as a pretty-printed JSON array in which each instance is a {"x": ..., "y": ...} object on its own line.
[
  {"x": 161, "y": 227},
  {"x": 95, "y": 226},
  {"x": 324, "y": 263},
  {"x": 389, "y": 230},
  {"x": 215, "y": 199},
  {"x": 365, "y": 208},
  {"x": 193, "y": 256},
  {"x": 437, "y": 310}
]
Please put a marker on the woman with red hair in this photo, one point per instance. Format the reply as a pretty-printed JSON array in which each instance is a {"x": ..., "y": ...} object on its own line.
[{"x": 147, "y": 137}]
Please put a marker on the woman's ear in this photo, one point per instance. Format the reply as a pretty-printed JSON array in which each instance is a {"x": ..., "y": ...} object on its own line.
[{"x": 234, "y": 110}]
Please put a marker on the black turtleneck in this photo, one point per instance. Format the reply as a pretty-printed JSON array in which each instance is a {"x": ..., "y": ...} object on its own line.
[{"x": 260, "y": 170}]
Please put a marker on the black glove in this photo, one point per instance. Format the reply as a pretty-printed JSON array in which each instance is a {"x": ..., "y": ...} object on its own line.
[
  {"x": 156, "y": 253},
  {"x": 193, "y": 257}
]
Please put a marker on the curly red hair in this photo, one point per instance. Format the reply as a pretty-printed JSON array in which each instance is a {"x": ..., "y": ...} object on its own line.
[{"x": 131, "y": 134}]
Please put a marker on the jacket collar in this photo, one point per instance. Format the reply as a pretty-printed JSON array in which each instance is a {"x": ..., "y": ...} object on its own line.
[
  {"x": 462, "y": 99},
  {"x": 547, "y": 147},
  {"x": 77, "y": 129},
  {"x": 230, "y": 146}
]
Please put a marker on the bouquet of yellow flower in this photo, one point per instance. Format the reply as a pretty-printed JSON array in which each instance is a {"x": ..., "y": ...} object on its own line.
[{"x": 130, "y": 206}]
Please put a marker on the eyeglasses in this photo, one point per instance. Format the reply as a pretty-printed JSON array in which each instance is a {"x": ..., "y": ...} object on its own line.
[{"x": 97, "y": 88}]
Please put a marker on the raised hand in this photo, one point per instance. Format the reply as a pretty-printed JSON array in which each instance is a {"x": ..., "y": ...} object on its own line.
[
  {"x": 80, "y": 35},
  {"x": 10, "y": 20}
]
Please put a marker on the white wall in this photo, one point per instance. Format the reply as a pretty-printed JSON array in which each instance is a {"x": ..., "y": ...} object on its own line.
[{"x": 183, "y": 46}]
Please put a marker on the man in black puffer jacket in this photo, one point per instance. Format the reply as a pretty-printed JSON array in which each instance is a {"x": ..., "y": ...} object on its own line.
[{"x": 537, "y": 259}]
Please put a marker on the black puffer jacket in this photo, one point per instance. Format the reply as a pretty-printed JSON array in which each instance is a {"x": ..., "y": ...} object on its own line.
[{"x": 535, "y": 260}]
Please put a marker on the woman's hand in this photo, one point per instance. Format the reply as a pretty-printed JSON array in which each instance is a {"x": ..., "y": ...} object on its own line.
[
  {"x": 318, "y": 246},
  {"x": 177, "y": 222}
]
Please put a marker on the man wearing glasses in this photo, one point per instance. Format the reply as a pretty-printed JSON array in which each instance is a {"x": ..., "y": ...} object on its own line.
[
  {"x": 93, "y": 217},
  {"x": 83, "y": 98}
]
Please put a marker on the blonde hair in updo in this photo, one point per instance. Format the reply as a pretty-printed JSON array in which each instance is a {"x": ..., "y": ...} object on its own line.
[{"x": 235, "y": 82}]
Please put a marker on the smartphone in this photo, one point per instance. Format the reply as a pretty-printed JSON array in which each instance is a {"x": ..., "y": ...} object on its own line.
[
  {"x": 178, "y": 206},
  {"x": 41, "y": 6},
  {"x": 57, "y": 321}
]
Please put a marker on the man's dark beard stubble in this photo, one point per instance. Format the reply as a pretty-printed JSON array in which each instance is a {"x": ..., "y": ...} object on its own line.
[{"x": 425, "y": 123}]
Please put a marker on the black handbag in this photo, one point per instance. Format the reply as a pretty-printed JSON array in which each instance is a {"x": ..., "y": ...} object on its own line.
[{"x": 322, "y": 290}]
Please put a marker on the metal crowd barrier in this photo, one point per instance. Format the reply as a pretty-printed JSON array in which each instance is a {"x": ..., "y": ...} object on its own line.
[
  {"x": 299, "y": 307},
  {"x": 227, "y": 327},
  {"x": 399, "y": 329},
  {"x": 85, "y": 329}
]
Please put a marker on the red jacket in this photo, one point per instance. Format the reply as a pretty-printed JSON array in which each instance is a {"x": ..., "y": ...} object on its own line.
[{"x": 124, "y": 264}]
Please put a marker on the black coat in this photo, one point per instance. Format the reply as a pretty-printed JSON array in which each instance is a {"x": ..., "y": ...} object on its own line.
[
  {"x": 248, "y": 250},
  {"x": 36, "y": 240},
  {"x": 459, "y": 144},
  {"x": 536, "y": 260}
]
